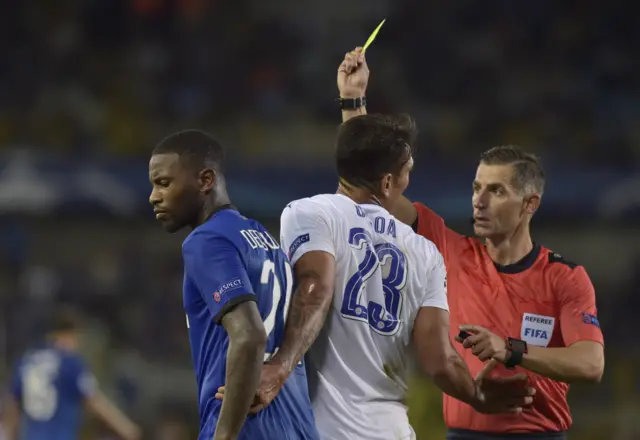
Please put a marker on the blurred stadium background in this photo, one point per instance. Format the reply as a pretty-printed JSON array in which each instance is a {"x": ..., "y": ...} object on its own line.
[{"x": 87, "y": 87}]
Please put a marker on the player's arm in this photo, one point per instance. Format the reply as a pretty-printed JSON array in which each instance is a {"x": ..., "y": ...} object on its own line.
[
  {"x": 98, "y": 404},
  {"x": 444, "y": 365},
  {"x": 307, "y": 236},
  {"x": 212, "y": 262},
  {"x": 247, "y": 342},
  {"x": 315, "y": 276},
  {"x": 437, "y": 357},
  {"x": 582, "y": 360},
  {"x": 11, "y": 417}
]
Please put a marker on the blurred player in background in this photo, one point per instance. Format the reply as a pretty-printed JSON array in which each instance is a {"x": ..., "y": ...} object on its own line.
[
  {"x": 521, "y": 304},
  {"x": 3, "y": 433},
  {"x": 51, "y": 385},
  {"x": 237, "y": 290},
  {"x": 372, "y": 292}
]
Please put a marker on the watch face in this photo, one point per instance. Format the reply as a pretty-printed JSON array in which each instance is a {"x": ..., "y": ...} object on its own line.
[{"x": 518, "y": 345}]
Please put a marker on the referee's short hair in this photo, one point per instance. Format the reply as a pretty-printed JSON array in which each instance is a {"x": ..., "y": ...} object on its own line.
[{"x": 528, "y": 173}]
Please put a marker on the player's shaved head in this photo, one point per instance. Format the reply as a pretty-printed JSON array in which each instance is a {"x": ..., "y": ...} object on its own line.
[
  {"x": 370, "y": 146},
  {"x": 528, "y": 175},
  {"x": 197, "y": 149}
]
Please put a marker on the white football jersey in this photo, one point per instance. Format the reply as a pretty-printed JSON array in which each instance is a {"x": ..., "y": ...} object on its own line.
[{"x": 385, "y": 272}]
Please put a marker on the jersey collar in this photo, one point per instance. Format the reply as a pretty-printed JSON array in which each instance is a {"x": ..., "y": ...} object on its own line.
[{"x": 523, "y": 264}]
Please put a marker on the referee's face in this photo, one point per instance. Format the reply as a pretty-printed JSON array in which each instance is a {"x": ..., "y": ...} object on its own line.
[{"x": 497, "y": 205}]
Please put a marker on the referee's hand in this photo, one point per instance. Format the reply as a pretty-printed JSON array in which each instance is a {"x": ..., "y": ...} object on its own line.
[
  {"x": 353, "y": 75},
  {"x": 483, "y": 343}
]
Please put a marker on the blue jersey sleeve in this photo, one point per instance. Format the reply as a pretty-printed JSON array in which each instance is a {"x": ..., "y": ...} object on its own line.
[
  {"x": 82, "y": 381},
  {"x": 215, "y": 266}
]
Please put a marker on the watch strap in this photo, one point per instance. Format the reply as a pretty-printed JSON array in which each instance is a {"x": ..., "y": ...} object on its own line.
[
  {"x": 352, "y": 103},
  {"x": 516, "y": 349}
]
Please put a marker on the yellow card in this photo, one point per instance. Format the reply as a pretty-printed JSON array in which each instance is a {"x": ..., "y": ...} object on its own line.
[{"x": 372, "y": 36}]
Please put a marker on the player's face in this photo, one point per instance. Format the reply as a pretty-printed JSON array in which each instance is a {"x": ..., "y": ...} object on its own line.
[
  {"x": 68, "y": 339},
  {"x": 394, "y": 186},
  {"x": 498, "y": 207},
  {"x": 175, "y": 195}
]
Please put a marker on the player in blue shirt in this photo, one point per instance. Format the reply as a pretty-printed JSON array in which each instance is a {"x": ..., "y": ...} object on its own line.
[
  {"x": 52, "y": 385},
  {"x": 236, "y": 293}
]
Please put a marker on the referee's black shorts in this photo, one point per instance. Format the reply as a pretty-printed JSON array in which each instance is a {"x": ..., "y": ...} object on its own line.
[{"x": 463, "y": 434}]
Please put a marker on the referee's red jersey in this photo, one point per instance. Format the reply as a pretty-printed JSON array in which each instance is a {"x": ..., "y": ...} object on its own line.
[{"x": 542, "y": 299}]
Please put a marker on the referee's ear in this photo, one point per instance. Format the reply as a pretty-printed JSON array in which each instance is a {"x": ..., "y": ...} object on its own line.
[{"x": 532, "y": 203}]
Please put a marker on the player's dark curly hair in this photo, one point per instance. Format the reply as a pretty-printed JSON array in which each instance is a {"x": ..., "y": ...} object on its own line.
[
  {"x": 370, "y": 146},
  {"x": 528, "y": 173}
]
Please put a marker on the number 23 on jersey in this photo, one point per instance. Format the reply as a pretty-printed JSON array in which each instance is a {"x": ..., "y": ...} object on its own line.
[{"x": 382, "y": 318}]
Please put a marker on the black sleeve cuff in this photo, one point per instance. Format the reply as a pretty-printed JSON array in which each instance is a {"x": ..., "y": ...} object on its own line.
[{"x": 231, "y": 304}]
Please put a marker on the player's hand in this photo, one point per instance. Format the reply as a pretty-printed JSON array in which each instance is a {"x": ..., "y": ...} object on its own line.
[
  {"x": 272, "y": 379},
  {"x": 353, "y": 75},
  {"x": 484, "y": 344},
  {"x": 502, "y": 394}
]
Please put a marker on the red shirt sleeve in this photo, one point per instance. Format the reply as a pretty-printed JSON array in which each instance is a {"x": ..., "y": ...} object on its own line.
[
  {"x": 578, "y": 312},
  {"x": 432, "y": 227}
]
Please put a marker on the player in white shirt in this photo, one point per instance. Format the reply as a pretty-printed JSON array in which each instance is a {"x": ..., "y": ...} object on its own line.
[{"x": 358, "y": 365}]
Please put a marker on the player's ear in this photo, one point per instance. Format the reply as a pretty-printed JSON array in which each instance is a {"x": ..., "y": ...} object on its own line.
[
  {"x": 531, "y": 203},
  {"x": 386, "y": 184},
  {"x": 207, "y": 180}
]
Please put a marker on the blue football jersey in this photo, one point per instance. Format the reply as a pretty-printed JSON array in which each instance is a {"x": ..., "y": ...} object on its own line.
[
  {"x": 50, "y": 386},
  {"x": 228, "y": 260}
]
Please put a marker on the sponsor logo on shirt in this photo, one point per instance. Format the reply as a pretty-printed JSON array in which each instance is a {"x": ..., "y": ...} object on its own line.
[
  {"x": 588, "y": 318},
  {"x": 537, "y": 329},
  {"x": 231, "y": 285},
  {"x": 299, "y": 241}
]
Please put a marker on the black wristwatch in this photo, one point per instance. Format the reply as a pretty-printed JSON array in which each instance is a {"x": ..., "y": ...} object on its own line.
[
  {"x": 352, "y": 103},
  {"x": 516, "y": 349}
]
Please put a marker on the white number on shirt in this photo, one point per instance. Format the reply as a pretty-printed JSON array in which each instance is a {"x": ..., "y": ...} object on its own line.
[
  {"x": 269, "y": 273},
  {"x": 39, "y": 394}
]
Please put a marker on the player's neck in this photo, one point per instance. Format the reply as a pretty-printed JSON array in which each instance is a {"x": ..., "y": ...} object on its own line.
[
  {"x": 358, "y": 195},
  {"x": 211, "y": 205},
  {"x": 510, "y": 249}
]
